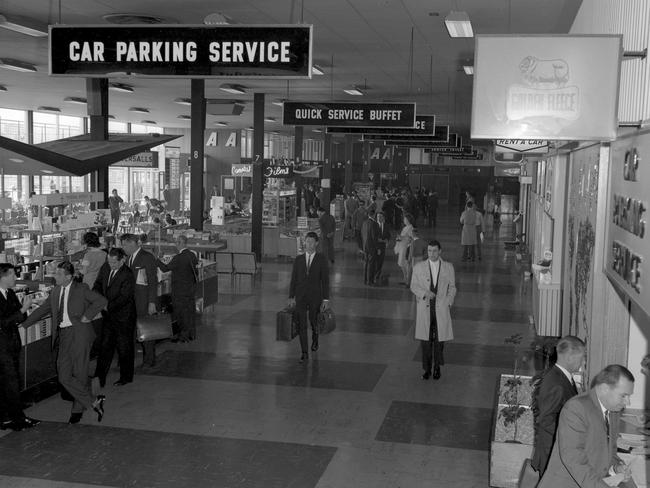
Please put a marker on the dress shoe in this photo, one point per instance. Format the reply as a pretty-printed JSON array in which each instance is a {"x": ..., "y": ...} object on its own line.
[
  {"x": 314, "y": 343},
  {"x": 426, "y": 375},
  {"x": 436, "y": 373},
  {"x": 304, "y": 357},
  {"x": 98, "y": 407},
  {"x": 75, "y": 418},
  {"x": 30, "y": 422},
  {"x": 121, "y": 383}
]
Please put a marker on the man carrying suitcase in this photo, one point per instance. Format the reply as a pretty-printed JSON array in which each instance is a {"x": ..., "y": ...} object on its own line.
[{"x": 309, "y": 291}]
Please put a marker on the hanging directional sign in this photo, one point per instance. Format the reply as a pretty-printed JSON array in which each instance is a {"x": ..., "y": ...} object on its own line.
[
  {"x": 454, "y": 141},
  {"x": 188, "y": 51},
  {"x": 521, "y": 145},
  {"x": 349, "y": 114},
  {"x": 449, "y": 150},
  {"x": 440, "y": 134},
  {"x": 425, "y": 126}
]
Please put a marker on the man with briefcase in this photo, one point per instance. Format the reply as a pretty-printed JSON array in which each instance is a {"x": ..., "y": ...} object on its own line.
[{"x": 309, "y": 291}]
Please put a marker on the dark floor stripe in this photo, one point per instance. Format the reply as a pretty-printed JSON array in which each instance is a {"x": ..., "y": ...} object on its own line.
[
  {"x": 478, "y": 355},
  {"x": 124, "y": 457}
]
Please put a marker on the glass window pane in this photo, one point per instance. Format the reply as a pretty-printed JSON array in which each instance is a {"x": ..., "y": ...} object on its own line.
[
  {"x": 117, "y": 127},
  {"x": 13, "y": 124}
]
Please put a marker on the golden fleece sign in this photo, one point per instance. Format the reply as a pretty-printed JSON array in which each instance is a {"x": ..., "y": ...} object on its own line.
[{"x": 546, "y": 87}]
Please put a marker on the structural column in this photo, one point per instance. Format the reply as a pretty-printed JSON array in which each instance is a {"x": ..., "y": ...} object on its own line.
[
  {"x": 327, "y": 171},
  {"x": 258, "y": 174},
  {"x": 366, "y": 161},
  {"x": 196, "y": 153},
  {"x": 297, "y": 156},
  {"x": 349, "y": 144},
  {"x": 97, "y": 96}
]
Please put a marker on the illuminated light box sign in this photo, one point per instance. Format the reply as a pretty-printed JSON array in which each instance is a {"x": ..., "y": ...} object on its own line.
[
  {"x": 278, "y": 171},
  {"x": 425, "y": 126},
  {"x": 546, "y": 87},
  {"x": 521, "y": 146},
  {"x": 349, "y": 114},
  {"x": 440, "y": 134},
  {"x": 241, "y": 170},
  {"x": 503, "y": 170},
  {"x": 193, "y": 51},
  {"x": 627, "y": 255},
  {"x": 147, "y": 159}
]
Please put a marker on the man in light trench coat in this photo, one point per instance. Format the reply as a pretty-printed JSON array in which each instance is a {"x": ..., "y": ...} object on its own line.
[{"x": 434, "y": 286}]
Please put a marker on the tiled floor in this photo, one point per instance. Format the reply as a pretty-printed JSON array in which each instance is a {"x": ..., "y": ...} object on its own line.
[{"x": 236, "y": 409}]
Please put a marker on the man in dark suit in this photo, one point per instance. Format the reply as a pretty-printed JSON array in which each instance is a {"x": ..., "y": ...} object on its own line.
[
  {"x": 309, "y": 291},
  {"x": 585, "y": 450},
  {"x": 11, "y": 314},
  {"x": 555, "y": 389},
  {"x": 369, "y": 237},
  {"x": 72, "y": 306},
  {"x": 184, "y": 279},
  {"x": 114, "y": 202},
  {"x": 327, "y": 229},
  {"x": 116, "y": 282},
  {"x": 382, "y": 241},
  {"x": 144, "y": 266}
]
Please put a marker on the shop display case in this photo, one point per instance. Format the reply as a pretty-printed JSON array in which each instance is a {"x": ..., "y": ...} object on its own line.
[{"x": 279, "y": 207}]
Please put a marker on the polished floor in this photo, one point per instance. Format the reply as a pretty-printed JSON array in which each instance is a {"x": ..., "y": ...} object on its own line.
[{"x": 236, "y": 409}]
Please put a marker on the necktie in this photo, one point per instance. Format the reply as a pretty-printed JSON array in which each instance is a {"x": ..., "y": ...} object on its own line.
[
  {"x": 131, "y": 261},
  {"x": 573, "y": 383},
  {"x": 607, "y": 423},
  {"x": 309, "y": 258},
  {"x": 110, "y": 278},
  {"x": 59, "y": 314}
]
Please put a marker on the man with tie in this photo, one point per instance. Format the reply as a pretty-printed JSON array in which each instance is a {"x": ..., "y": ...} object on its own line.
[
  {"x": 434, "y": 285},
  {"x": 382, "y": 241},
  {"x": 184, "y": 280},
  {"x": 370, "y": 236},
  {"x": 555, "y": 389},
  {"x": 144, "y": 268},
  {"x": 309, "y": 291},
  {"x": 12, "y": 312},
  {"x": 116, "y": 282},
  {"x": 72, "y": 305},
  {"x": 584, "y": 452},
  {"x": 114, "y": 202}
]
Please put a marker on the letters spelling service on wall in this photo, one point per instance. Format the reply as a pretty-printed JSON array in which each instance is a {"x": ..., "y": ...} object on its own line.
[
  {"x": 279, "y": 51},
  {"x": 626, "y": 237},
  {"x": 546, "y": 87}
]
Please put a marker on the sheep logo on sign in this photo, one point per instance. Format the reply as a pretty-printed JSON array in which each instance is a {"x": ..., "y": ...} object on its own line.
[{"x": 544, "y": 92}]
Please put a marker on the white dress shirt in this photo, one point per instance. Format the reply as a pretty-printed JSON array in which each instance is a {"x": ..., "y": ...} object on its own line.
[
  {"x": 65, "y": 322},
  {"x": 566, "y": 373},
  {"x": 309, "y": 258},
  {"x": 4, "y": 292},
  {"x": 434, "y": 266},
  {"x": 132, "y": 258}
]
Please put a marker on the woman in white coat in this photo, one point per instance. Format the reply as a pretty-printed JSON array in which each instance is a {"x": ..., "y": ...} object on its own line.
[
  {"x": 402, "y": 244},
  {"x": 434, "y": 287}
]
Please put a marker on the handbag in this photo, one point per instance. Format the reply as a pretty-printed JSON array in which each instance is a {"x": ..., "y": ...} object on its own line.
[
  {"x": 154, "y": 327},
  {"x": 326, "y": 321}
]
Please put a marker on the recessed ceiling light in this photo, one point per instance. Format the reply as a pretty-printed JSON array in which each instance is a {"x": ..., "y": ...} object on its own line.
[
  {"x": 139, "y": 110},
  {"x": 47, "y": 171},
  {"x": 44, "y": 108},
  {"x": 149, "y": 122},
  {"x": 317, "y": 130},
  {"x": 78, "y": 100},
  {"x": 24, "y": 26},
  {"x": 218, "y": 19},
  {"x": 221, "y": 124},
  {"x": 184, "y": 117},
  {"x": 469, "y": 70},
  {"x": 269, "y": 119},
  {"x": 234, "y": 89},
  {"x": 353, "y": 91},
  {"x": 16, "y": 160},
  {"x": 279, "y": 102},
  {"x": 121, "y": 87},
  {"x": 458, "y": 24},
  {"x": 15, "y": 65},
  {"x": 3, "y": 88},
  {"x": 317, "y": 70},
  {"x": 183, "y": 101},
  {"x": 111, "y": 116},
  {"x": 122, "y": 19},
  {"x": 250, "y": 128}
]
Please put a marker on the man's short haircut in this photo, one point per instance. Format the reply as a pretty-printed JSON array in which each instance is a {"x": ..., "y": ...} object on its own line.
[
  {"x": 182, "y": 238},
  {"x": 570, "y": 344},
  {"x": 435, "y": 243},
  {"x": 5, "y": 267},
  {"x": 129, "y": 238},
  {"x": 91, "y": 239},
  {"x": 117, "y": 252},
  {"x": 67, "y": 267},
  {"x": 313, "y": 235},
  {"x": 611, "y": 375},
  {"x": 470, "y": 204},
  {"x": 321, "y": 209},
  {"x": 371, "y": 212},
  {"x": 381, "y": 213}
]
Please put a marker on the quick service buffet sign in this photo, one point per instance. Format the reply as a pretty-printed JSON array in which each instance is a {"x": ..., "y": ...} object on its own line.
[
  {"x": 349, "y": 114},
  {"x": 278, "y": 51},
  {"x": 627, "y": 258},
  {"x": 546, "y": 87}
]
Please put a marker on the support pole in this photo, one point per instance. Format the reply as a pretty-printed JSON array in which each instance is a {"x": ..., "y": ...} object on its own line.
[
  {"x": 327, "y": 171},
  {"x": 297, "y": 157},
  {"x": 97, "y": 96},
  {"x": 196, "y": 153},
  {"x": 258, "y": 174}
]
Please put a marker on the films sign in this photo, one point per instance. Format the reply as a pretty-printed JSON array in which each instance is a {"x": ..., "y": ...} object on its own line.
[{"x": 546, "y": 87}]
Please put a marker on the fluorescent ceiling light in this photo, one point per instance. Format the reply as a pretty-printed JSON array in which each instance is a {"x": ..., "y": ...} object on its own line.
[
  {"x": 317, "y": 70},
  {"x": 139, "y": 110},
  {"x": 47, "y": 171},
  {"x": 16, "y": 65},
  {"x": 317, "y": 130},
  {"x": 16, "y": 160},
  {"x": 111, "y": 116},
  {"x": 78, "y": 100},
  {"x": 24, "y": 26},
  {"x": 218, "y": 19},
  {"x": 469, "y": 70},
  {"x": 234, "y": 89},
  {"x": 148, "y": 122},
  {"x": 121, "y": 87},
  {"x": 269, "y": 119},
  {"x": 279, "y": 102},
  {"x": 353, "y": 91},
  {"x": 44, "y": 108},
  {"x": 458, "y": 24},
  {"x": 3, "y": 88},
  {"x": 221, "y": 124},
  {"x": 183, "y": 101},
  {"x": 184, "y": 117}
]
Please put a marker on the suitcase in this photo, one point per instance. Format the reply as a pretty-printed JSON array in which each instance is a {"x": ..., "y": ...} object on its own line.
[
  {"x": 326, "y": 322},
  {"x": 286, "y": 325}
]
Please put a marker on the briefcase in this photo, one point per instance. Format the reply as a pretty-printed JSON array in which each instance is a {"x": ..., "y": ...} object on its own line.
[
  {"x": 326, "y": 321},
  {"x": 286, "y": 325},
  {"x": 154, "y": 327}
]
